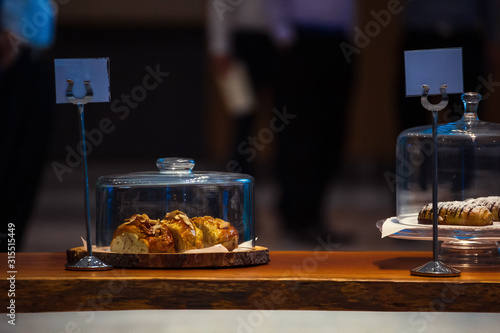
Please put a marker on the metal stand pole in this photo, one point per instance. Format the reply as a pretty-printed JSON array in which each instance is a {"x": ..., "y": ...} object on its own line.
[
  {"x": 88, "y": 262},
  {"x": 435, "y": 267}
]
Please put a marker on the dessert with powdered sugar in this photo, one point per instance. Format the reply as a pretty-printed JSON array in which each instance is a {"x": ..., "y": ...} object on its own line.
[
  {"x": 491, "y": 202},
  {"x": 457, "y": 213}
]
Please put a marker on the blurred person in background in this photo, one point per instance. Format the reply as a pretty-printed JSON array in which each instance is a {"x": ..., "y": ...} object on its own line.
[
  {"x": 27, "y": 29},
  {"x": 243, "y": 57},
  {"x": 313, "y": 93}
]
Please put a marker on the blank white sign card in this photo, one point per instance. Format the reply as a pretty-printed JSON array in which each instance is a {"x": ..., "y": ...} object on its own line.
[
  {"x": 434, "y": 68},
  {"x": 95, "y": 70}
]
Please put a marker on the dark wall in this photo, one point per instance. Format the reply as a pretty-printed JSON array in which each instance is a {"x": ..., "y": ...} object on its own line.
[{"x": 167, "y": 121}]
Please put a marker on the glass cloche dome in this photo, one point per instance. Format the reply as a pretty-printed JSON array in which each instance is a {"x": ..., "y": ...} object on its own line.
[
  {"x": 175, "y": 187},
  {"x": 468, "y": 161}
]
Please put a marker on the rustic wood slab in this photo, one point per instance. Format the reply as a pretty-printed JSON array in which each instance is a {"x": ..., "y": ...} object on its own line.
[
  {"x": 257, "y": 256},
  {"x": 316, "y": 280}
]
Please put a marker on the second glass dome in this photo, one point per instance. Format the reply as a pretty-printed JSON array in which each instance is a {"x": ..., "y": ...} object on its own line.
[{"x": 468, "y": 161}]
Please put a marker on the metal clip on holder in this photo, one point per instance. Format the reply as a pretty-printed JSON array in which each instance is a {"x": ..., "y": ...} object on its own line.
[
  {"x": 88, "y": 262},
  {"x": 435, "y": 268}
]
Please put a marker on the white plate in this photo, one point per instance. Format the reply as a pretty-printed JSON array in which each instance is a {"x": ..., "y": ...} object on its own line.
[{"x": 409, "y": 228}]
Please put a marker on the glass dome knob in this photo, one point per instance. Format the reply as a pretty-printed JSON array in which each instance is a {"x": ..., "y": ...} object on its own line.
[
  {"x": 471, "y": 102},
  {"x": 175, "y": 165}
]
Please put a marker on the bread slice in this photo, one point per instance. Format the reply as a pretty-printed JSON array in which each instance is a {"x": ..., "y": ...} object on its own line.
[
  {"x": 186, "y": 235},
  {"x": 217, "y": 231},
  {"x": 140, "y": 234}
]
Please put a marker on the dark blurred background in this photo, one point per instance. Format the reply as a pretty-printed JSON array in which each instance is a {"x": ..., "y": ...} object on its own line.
[{"x": 186, "y": 116}]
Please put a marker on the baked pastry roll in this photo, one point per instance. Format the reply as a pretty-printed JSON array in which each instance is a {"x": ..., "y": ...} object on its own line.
[
  {"x": 492, "y": 203},
  {"x": 140, "y": 234},
  {"x": 217, "y": 231},
  {"x": 457, "y": 213},
  {"x": 186, "y": 235}
]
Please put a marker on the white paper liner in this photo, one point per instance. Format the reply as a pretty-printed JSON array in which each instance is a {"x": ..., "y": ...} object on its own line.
[
  {"x": 85, "y": 243},
  {"x": 94, "y": 248},
  {"x": 213, "y": 249},
  {"x": 245, "y": 246},
  {"x": 393, "y": 225}
]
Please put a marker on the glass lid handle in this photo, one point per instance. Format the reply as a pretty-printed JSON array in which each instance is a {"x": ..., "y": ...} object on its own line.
[
  {"x": 175, "y": 165},
  {"x": 471, "y": 102}
]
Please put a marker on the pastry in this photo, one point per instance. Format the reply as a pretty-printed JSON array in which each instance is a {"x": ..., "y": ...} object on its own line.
[
  {"x": 186, "y": 235},
  {"x": 217, "y": 231},
  {"x": 457, "y": 213},
  {"x": 492, "y": 203},
  {"x": 140, "y": 234}
]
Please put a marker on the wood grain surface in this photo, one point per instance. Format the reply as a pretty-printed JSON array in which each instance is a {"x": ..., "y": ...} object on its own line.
[{"x": 323, "y": 280}]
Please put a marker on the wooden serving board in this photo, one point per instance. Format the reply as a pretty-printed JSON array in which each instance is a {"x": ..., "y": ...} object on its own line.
[{"x": 256, "y": 256}]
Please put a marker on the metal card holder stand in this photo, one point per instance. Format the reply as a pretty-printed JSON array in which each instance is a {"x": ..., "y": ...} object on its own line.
[
  {"x": 435, "y": 268},
  {"x": 88, "y": 262}
]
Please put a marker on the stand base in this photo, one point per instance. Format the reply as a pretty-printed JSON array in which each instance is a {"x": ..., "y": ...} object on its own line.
[
  {"x": 435, "y": 269},
  {"x": 89, "y": 263},
  {"x": 470, "y": 253}
]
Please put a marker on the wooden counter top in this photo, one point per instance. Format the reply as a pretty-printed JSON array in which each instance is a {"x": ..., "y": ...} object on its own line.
[{"x": 362, "y": 281}]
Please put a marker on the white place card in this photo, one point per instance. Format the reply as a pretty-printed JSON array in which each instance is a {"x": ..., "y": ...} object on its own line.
[
  {"x": 434, "y": 68},
  {"x": 95, "y": 70}
]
